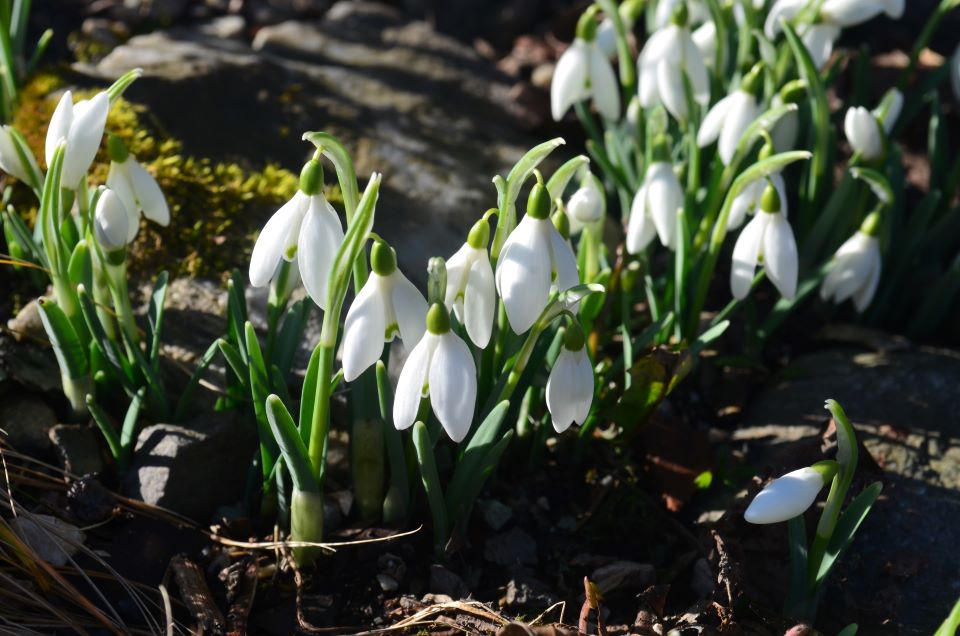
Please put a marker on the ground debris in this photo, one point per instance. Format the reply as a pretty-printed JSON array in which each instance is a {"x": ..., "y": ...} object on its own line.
[{"x": 196, "y": 594}]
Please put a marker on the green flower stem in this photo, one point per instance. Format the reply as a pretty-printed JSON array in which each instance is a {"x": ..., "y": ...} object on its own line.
[
  {"x": 276, "y": 305},
  {"x": 320, "y": 422},
  {"x": 117, "y": 279},
  {"x": 945, "y": 7}
]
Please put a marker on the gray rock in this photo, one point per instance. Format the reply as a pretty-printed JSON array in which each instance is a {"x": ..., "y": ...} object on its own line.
[
  {"x": 225, "y": 27},
  {"x": 27, "y": 325},
  {"x": 50, "y": 538},
  {"x": 510, "y": 548},
  {"x": 623, "y": 574},
  {"x": 419, "y": 107},
  {"x": 26, "y": 365},
  {"x": 495, "y": 513},
  {"x": 904, "y": 405},
  {"x": 194, "y": 467},
  {"x": 443, "y": 581},
  {"x": 78, "y": 447},
  {"x": 26, "y": 419},
  {"x": 526, "y": 591}
]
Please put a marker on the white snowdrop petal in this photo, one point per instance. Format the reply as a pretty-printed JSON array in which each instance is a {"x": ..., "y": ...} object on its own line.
[
  {"x": 479, "y": 302},
  {"x": 9, "y": 159},
  {"x": 560, "y": 387},
  {"x": 647, "y": 89},
  {"x": 272, "y": 243},
  {"x": 111, "y": 221},
  {"x": 118, "y": 180},
  {"x": 705, "y": 37},
  {"x": 413, "y": 380},
  {"x": 746, "y": 252},
  {"x": 714, "y": 121},
  {"x": 458, "y": 266},
  {"x": 781, "y": 9},
  {"x": 741, "y": 114},
  {"x": 564, "y": 263},
  {"x": 363, "y": 329},
  {"x": 320, "y": 237},
  {"x": 569, "y": 83},
  {"x": 149, "y": 195},
  {"x": 583, "y": 389},
  {"x": 864, "y": 296},
  {"x": 786, "y": 497},
  {"x": 670, "y": 83},
  {"x": 664, "y": 199},
  {"x": 894, "y": 8},
  {"x": 603, "y": 83},
  {"x": 523, "y": 273},
  {"x": 696, "y": 69},
  {"x": 819, "y": 40},
  {"x": 453, "y": 386},
  {"x": 585, "y": 205},
  {"x": 59, "y": 126},
  {"x": 640, "y": 227},
  {"x": 780, "y": 255},
  {"x": 409, "y": 308},
  {"x": 846, "y": 13},
  {"x": 83, "y": 140}
]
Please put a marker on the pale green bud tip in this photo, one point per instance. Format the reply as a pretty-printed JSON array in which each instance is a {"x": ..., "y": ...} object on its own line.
[
  {"x": 681, "y": 15},
  {"x": 562, "y": 223},
  {"x": 661, "y": 149},
  {"x": 117, "y": 149},
  {"x": 752, "y": 82},
  {"x": 436, "y": 280},
  {"x": 383, "y": 260},
  {"x": 793, "y": 92},
  {"x": 573, "y": 339},
  {"x": 770, "y": 201},
  {"x": 311, "y": 178},
  {"x": 827, "y": 469},
  {"x": 871, "y": 224},
  {"x": 438, "y": 319},
  {"x": 767, "y": 150},
  {"x": 587, "y": 25},
  {"x": 479, "y": 235},
  {"x": 538, "y": 205},
  {"x": 631, "y": 10}
]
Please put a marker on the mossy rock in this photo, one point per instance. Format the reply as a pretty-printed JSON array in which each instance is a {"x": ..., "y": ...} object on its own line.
[{"x": 217, "y": 207}]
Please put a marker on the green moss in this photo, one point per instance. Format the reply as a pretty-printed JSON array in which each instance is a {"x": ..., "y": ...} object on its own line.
[{"x": 217, "y": 208}]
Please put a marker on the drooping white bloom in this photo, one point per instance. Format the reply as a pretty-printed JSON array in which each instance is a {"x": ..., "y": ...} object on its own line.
[
  {"x": 835, "y": 15},
  {"x": 748, "y": 201},
  {"x": 855, "y": 268},
  {"x": 81, "y": 125},
  {"x": 699, "y": 13},
  {"x": 666, "y": 56},
  {"x": 388, "y": 304},
  {"x": 787, "y": 129},
  {"x": 136, "y": 187},
  {"x": 767, "y": 236},
  {"x": 584, "y": 72},
  {"x": 10, "y": 161},
  {"x": 586, "y": 205},
  {"x": 441, "y": 367},
  {"x": 786, "y": 497},
  {"x": 654, "y": 208},
  {"x": 731, "y": 116},
  {"x": 110, "y": 221},
  {"x": 471, "y": 291},
  {"x": 888, "y": 110},
  {"x": 306, "y": 227},
  {"x": 534, "y": 257},
  {"x": 570, "y": 385},
  {"x": 705, "y": 37},
  {"x": 864, "y": 133},
  {"x": 846, "y": 13}
]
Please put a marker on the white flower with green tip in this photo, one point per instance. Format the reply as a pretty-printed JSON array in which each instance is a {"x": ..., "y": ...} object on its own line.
[
  {"x": 81, "y": 126},
  {"x": 855, "y": 268},
  {"x": 570, "y": 384},
  {"x": 136, "y": 187},
  {"x": 767, "y": 237},
  {"x": 471, "y": 290},
  {"x": 584, "y": 72},
  {"x": 791, "y": 495}
]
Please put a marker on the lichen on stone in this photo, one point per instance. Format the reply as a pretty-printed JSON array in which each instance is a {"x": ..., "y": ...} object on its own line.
[{"x": 217, "y": 207}]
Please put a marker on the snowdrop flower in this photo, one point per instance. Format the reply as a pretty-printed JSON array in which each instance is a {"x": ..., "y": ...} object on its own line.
[
  {"x": 867, "y": 130},
  {"x": 666, "y": 56},
  {"x": 110, "y": 222},
  {"x": 570, "y": 385},
  {"x": 855, "y": 268},
  {"x": 846, "y": 13},
  {"x": 471, "y": 292},
  {"x": 440, "y": 367},
  {"x": 790, "y": 496},
  {"x": 136, "y": 188},
  {"x": 767, "y": 236},
  {"x": 586, "y": 205},
  {"x": 584, "y": 72},
  {"x": 306, "y": 227},
  {"x": 748, "y": 201},
  {"x": 730, "y": 117},
  {"x": 705, "y": 37},
  {"x": 698, "y": 11},
  {"x": 387, "y": 304},
  {"x": 534, "y": 257},
  {"x": 81, "y": 125},
  {"x": 629, "y": 11},
  {"x": 10, "y": 161},
  {"x": 654, "y": 208}
]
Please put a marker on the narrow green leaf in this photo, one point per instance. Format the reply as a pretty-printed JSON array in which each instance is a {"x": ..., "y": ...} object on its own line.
[
  {"x": 878, "y": 183},
  {"x": 67, "y": 347},
  {"x": 309, "y": 394},
  {"x": 431, "y": 484},
  {"x": 106, "y": 427},
  {"x": 107, "y": 347},
  {"x": 558, "y": 181},
  {"x": 290, "y": 444},
  {"x": 951, "y": 625},
  {"x": 471, "y": 460},
  {"x": 474, "y": 487},
  {"x": 128, "y": 433},
  {"x": 291, "y": 335},
  {"x": 155, "y": 317},
  {"x": 393, "y": 511},
  {"x": 80, "y": 268},
  {"x": 847, "y": 527},
  {"x": 235, "y": 361},
  {"x": 278, "y": 382},
  {"x": 849, "y": 630},
  {"x": 116, "y": 90},
  {"x": 186, "y": 397},
  {"x": 259, "y": 390}
]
